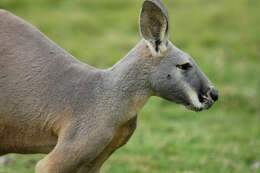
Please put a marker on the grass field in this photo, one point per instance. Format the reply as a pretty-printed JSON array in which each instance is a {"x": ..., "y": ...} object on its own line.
[{"x": 223, "y": 37}]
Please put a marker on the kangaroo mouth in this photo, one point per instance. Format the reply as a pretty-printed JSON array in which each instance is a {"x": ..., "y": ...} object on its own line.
[
  {"x": 198, "y": 103},
  {"x": 193, "y": 108}
]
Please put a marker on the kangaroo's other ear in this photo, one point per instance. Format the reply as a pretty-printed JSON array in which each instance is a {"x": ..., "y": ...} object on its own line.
[{"x": 154, "y": 26}]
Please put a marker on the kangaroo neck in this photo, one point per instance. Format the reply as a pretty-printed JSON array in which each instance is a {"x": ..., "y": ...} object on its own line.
[
  {"x": 128, "y": 81},
  {"x": 131, "y": 74}
]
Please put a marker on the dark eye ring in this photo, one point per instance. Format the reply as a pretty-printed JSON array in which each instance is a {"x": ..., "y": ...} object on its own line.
[{"x": 185, "y": 66}]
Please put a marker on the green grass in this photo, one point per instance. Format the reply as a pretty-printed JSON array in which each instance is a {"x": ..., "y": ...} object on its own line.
[{"x": 223, "y": 37}]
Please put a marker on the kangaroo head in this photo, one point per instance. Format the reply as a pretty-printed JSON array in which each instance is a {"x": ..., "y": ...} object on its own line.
[{"x": 175, "y": 77}]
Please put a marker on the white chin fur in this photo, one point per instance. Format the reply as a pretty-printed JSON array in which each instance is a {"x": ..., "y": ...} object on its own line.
[
  {"x": 195, "y": 104},
  {"x": 194, "y": 99}
]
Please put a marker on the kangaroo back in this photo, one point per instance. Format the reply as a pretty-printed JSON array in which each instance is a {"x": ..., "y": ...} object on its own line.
[{"x": 30, "y": 64}]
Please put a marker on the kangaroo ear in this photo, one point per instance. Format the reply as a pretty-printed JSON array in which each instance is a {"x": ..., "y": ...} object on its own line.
[{"x": 154, "y": 26}]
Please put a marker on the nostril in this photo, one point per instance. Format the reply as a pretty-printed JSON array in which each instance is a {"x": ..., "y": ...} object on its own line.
[{"x": 214, "y": 94}]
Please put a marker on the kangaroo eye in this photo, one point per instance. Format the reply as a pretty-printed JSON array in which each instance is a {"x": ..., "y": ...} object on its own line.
[{"x": 185, "y": 66}]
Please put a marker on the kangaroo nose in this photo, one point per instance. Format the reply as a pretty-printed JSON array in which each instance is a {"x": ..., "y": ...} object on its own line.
[{"x": 214, "y": 93}]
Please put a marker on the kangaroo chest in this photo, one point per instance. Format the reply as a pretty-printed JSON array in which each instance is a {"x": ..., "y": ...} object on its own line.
[{"x": 122, "y": 135}]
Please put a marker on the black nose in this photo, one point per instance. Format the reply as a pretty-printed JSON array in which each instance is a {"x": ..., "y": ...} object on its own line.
[{"x": 214, "y": 94}]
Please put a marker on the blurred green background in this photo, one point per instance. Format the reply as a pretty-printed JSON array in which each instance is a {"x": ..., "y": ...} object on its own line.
[{"x": 223, "y": 36}]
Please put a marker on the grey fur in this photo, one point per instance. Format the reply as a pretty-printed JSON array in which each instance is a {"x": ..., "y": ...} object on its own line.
[{"x": 52, "y": 103}]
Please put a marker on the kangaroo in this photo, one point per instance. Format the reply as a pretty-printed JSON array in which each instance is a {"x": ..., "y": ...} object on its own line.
[{"x": 77, "y": 114}]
